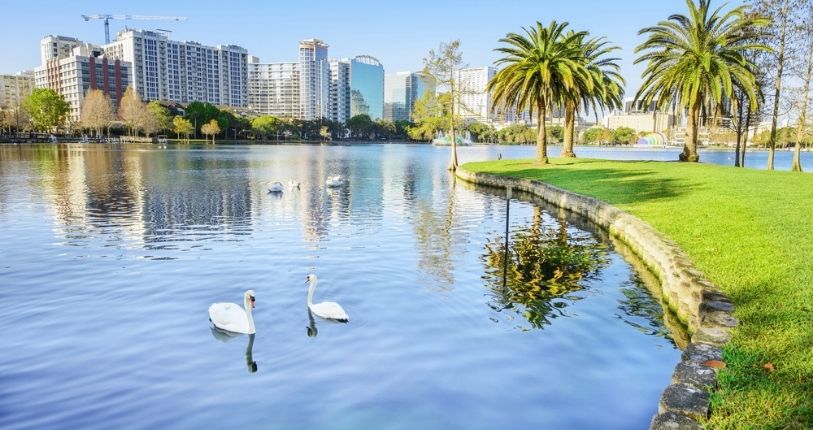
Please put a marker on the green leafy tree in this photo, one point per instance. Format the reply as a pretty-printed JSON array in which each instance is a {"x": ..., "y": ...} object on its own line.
[
  {"x": 182, "y": 126},
  {"x": 160, "y": 114},
  {"x": 429, "y": 117},
  {"x": 46, "y": 108},
  {"x": 625, "y": 136},
  {"x": 597, "y": 135},
  {"x": 540, "y": 67},
  {"x": 266, "y": 125},
  {"x": 479, "y": 131},
  {"x": 361, "y": 126},
  {"x": 199, "y": 113},
  {"x": 698, "y": 59}
]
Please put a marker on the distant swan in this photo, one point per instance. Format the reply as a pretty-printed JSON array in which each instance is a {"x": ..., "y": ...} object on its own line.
[
  {"x": 276, "y": 187},
  {"x": 231, "y": 317},
  {"x": 334, "y": 181},
  {"x": 327, "y": 310},
  {"x": 293, "y": 184}
]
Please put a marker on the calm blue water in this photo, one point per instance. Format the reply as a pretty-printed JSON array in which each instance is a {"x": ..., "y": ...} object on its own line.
[
  {"x": 753, "y": 159},
  {"x": 111, "y": 256}
]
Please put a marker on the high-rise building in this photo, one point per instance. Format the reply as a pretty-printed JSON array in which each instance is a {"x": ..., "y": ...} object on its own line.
[
  {"x": 14, "y": 88},
  {"x": 84, "y": 69},
  {"x": 474, "y": 102},
  {"x": 314, "y": 79},
  {"x": 366, "y": 87},
  {"x": 56, "y": 47},
  {"x": 184, "y": 72},
  {"x": 273, "y": 88},
  {"x": 401, "y": 90},
  {"x": 339, "y": 90}
]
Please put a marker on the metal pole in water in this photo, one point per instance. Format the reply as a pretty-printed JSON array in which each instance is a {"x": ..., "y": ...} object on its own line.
[{"x": 507, "y": 220}]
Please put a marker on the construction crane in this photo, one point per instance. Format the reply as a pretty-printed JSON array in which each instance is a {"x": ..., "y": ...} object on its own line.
[{"x": 107, "y": 19}]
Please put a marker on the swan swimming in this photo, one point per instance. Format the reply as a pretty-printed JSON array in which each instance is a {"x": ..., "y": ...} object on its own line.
[
  {"x": 327, "y": 310},
  {"x": 334, "y": 181},
  {"x": 276, "y": 187},
  {"x": 232, "y": 318},
  {"x": 293, "y": 184}
]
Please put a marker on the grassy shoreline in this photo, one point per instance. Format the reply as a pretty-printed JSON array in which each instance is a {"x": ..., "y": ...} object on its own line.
[{"x": 751, "y": 233}]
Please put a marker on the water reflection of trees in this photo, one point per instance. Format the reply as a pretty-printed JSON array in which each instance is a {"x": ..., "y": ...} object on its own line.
[{"x": 546, "y": 266}]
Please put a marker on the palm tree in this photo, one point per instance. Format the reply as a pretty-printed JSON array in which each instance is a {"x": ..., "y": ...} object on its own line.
[
  {"x": 607, "y": 87},
  {"x": 540, "y": 68},
  {"x": 698, "y": 59}
]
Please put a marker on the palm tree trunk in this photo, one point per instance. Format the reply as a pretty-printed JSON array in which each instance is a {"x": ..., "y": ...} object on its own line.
[
  {"x": 748, "y": 113},
  {"x": 542, "y": 137},
  {"x": 690, "y": 146},
  {"x": 570, "y": 125}
]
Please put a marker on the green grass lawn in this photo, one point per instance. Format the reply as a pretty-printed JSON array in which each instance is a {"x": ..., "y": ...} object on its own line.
[{"x": 751, "y": 233}]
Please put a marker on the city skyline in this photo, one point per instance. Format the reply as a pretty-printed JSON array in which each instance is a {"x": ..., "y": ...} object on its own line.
[{"x": 378, "y": 33}]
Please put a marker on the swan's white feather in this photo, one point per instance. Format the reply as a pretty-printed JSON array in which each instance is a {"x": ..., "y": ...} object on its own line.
[
  {"x": 330, "y": 311},
  {"x": 276, "y": 187},
  {"x": 229, "y": 317}
]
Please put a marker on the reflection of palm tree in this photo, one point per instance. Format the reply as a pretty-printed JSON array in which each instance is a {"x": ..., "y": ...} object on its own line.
[{"x": 545, "y": 266}]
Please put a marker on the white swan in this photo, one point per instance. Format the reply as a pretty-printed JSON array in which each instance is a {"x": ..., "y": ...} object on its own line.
[
  {"x": 334, "y": 181},
  {"x": 276, "y": 187},
  {"x": 231, "y": 317},
  {"x": 293, "y": 184},
  {"x": 326, "y": 310}
]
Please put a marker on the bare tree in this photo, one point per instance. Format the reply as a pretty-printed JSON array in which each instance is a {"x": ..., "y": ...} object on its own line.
[
  {"x": 97, "y": 111},
  {"x": 131, "y": 110},
  {"x": 441, "y": 67},
  {"x": 803, "y": 69},
  {"x": 785, "y": 17}
]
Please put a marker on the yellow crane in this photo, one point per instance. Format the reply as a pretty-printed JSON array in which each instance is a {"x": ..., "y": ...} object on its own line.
[{"x": 107, "y": 18}]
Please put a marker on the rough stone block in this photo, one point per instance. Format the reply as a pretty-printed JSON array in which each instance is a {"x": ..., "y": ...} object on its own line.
[
  {"x": 694, "y": 374},
  {"x": 685, "y": 400},
  {"x": 719, "y": 319},
  {"x": 701, "y": 352},
  {"x": 713, "y": 335},
  {"x": 716, "y": 306},
  {"x": 673, "y": 421}
]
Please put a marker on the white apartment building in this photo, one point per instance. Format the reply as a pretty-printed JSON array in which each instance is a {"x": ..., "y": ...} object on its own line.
[
  {"x": 55, "y": 47},
  {"x": 314, "y": 83},
  {"x": 14, "y": 88},
  {"x": 85, "y": 68},
  {"x": 184, "y": 72},
  {"x": 339, "y": 98},
  {"x": 273, "y": 88},
  {"x": 474, "y": 102}
]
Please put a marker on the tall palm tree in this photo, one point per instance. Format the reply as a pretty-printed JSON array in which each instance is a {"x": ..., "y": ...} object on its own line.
[
  {"x": 539, "y": 68},
  {"x": 698, "y": 59},
  {"x": 607, "y": 86}
]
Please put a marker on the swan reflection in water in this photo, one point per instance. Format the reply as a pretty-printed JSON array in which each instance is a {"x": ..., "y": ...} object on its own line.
[
  {"x": 225, "y": 336},
  {"x": 312, "y": 331}
]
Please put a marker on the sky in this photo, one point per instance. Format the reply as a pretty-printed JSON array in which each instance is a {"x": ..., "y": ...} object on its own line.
[{"x": 399, "y": 34}]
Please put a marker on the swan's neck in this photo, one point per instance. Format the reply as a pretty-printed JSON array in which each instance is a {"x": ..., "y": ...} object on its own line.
[
  {"x": 310, "y": 292},
  {"x": 247, "y": 305}
]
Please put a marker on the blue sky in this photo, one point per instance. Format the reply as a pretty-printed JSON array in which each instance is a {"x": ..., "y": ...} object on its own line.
[{"x": 397, "y": 33}]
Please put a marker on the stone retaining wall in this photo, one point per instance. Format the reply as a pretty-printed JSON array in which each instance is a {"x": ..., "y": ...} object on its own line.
[{"x": 699, "y": 304}]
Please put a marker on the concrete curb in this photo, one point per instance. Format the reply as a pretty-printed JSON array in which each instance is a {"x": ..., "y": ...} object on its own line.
[{"x": 700, "y": 305}]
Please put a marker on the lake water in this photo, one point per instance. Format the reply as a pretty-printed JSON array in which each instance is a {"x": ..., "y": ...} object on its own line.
[{"x": 111, "y": 256}]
